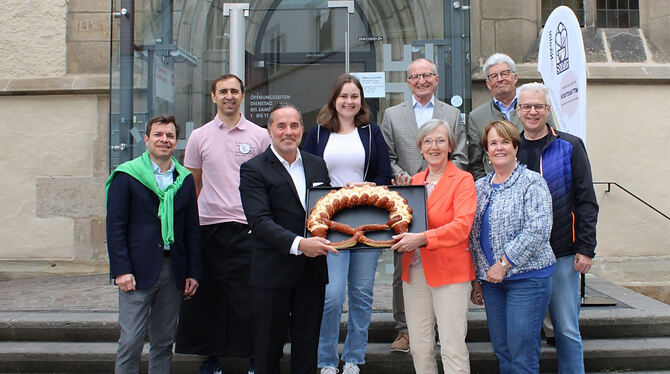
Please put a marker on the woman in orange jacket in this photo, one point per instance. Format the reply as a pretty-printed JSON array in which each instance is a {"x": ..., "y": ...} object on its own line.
[{"x": 437, "y": 265}]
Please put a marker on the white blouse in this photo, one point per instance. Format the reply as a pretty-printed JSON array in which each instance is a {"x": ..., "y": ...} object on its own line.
[{"x": 345, "y": 158}]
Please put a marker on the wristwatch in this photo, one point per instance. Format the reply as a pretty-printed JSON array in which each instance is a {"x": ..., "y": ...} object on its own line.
[{"x": 504, "y": 264}]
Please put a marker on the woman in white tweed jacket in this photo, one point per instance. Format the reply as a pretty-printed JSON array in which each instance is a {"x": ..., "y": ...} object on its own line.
[{"x": 513, "y": 260}]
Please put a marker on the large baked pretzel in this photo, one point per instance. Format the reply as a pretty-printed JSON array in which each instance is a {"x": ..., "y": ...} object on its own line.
[{"x": 319, "y": 220}]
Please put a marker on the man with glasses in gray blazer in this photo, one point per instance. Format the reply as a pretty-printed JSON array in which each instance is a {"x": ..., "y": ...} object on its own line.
[
  {"x": 400, "y": 125},
  {"x": 501, "y": 80}
]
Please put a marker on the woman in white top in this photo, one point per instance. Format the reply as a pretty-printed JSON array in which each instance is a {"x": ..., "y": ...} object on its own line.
[{"x": 354, "y": 151}]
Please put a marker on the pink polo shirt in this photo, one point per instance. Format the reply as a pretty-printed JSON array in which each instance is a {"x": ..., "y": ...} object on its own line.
[{"x": 219, "y": 152}]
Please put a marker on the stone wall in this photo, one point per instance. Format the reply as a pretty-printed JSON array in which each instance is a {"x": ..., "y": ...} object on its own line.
[
  {"x": 88, "y": 35},
  {"x": 32, "y": 38},
  {"x": 46, "y": 39},
  {"x": 654, "y": 20},
  {"x": 54, "y": 106},
  {"x": 55, "y": 165},
  {"x": 627, "y": 144},
  {"x": 511, "y": 26}
]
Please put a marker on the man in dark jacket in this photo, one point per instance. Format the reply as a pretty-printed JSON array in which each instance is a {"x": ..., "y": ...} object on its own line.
[
  {"x": 501, "y": 80},
  {"x": 153, "y": 239},
  {"x": 562, "y": 160}
]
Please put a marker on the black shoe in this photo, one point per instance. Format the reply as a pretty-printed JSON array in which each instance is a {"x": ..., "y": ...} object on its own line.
[
  {"x": 551, "y": 341},
  {"x": 210, "y": 366}
]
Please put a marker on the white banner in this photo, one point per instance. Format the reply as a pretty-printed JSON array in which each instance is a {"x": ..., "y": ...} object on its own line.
[{"x": 562, "y": 64}]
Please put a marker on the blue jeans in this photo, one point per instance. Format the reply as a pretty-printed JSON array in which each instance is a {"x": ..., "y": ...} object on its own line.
[
  {"x": 564, "y": 311},
  {"x": 358, "y": 267},
  {"x": 515, "y": 310}
]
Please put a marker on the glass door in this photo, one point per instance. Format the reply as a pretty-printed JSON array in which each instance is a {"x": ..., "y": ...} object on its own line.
[{"x": 298, "y": 53}]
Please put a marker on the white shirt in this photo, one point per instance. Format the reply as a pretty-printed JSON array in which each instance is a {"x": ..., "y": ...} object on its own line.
[
  {"x": 423, "y": 113},
  {"x": 297, "y": 172},
  {"x": 345, "y": 158}
]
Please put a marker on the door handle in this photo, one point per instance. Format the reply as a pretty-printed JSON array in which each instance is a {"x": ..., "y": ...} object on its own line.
[{"x": 120, "y": 147}]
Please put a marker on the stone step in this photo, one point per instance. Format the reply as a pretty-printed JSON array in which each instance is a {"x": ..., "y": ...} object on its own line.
[
  {"x": 59, "y": 326},
  {"x": 601, "y": 355},
  {"x": 594, "y": 323},
  {"x": 102, "y": 326}
]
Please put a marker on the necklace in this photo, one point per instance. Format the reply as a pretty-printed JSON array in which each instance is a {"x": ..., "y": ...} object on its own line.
[
  {"x": 494, "y": 177},
  {"x": 433, "y": 179}
]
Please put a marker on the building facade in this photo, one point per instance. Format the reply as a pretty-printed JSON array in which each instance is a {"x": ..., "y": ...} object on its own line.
[{"x": 64, "y": 100}]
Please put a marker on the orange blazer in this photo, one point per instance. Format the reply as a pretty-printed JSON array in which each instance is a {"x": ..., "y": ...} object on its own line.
[{"x": 450, "y": 208}]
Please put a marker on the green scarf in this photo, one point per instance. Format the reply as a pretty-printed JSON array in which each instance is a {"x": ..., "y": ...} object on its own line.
[{"x": 140, "y": 169}]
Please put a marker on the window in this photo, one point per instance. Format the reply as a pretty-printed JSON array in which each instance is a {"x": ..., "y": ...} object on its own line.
[
  {"x": 577, "y": 6},
  {"x": 608, "y": 13},
  {"x": 618, "y": 13}
]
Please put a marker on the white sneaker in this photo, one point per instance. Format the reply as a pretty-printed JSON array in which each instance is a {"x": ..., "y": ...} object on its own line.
[
  {"x": 350, "y": 368},
  {"x": 329, "y": 370}
]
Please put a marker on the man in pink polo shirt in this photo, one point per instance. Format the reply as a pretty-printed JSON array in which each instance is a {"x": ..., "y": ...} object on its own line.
[{"x": 217, "y": 322}]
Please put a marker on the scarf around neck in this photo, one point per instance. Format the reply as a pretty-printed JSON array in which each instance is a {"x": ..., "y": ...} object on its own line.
[{"x": 140, "y": 169}]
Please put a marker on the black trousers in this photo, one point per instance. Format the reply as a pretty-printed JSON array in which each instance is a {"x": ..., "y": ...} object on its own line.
[
  {"x": 218, "y": 320},
  {"x": 296, "y": 310}
]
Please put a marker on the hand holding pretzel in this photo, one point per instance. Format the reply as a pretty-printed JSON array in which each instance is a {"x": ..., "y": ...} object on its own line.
[{"x": 319, "y": 220}]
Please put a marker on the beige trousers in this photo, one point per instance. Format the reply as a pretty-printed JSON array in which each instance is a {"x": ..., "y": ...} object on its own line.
[{"x": 448, "y": 305}]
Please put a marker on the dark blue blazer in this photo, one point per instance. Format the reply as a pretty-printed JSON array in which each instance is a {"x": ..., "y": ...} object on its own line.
[
  {"x": 134, "y": 239},
  {"x": 377, "y": 162}
]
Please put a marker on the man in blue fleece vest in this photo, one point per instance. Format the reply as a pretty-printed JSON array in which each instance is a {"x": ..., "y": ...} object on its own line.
[{"x": 562, "y": 160}]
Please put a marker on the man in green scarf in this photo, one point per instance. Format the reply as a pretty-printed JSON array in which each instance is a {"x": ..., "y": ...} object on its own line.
[{"x": 153, "y": 239}]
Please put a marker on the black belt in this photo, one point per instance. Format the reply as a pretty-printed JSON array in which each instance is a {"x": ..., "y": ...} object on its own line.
[{"x": 166, "y": 253}]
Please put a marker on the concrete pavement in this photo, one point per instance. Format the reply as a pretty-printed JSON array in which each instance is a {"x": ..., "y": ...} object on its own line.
[{"x": 96, "y": 293}]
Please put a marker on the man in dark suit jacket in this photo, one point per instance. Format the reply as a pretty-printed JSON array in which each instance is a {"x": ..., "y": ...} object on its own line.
[
  {"x": 153, "y": 239},
  {"x": 288, "y": 272}
]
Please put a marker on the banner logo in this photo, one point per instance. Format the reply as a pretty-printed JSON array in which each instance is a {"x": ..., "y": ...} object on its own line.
[{"x": 562, "y": 56}]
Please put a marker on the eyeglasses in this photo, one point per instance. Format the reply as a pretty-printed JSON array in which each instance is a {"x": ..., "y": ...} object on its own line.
[
  {"x": 425, "y": 76},
  {"x": 503, "y": 74},
  {"x": 429, "y": 142},
  {"x": 537, "y": 107}
]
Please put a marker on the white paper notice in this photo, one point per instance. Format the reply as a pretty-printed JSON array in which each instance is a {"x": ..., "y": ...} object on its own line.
[{"x": 374, "y": 84}]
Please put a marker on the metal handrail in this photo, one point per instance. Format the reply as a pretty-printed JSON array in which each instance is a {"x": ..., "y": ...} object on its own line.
[
  {"x": 582, "y": 286},
  {"x": 609, "y": 189}
]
